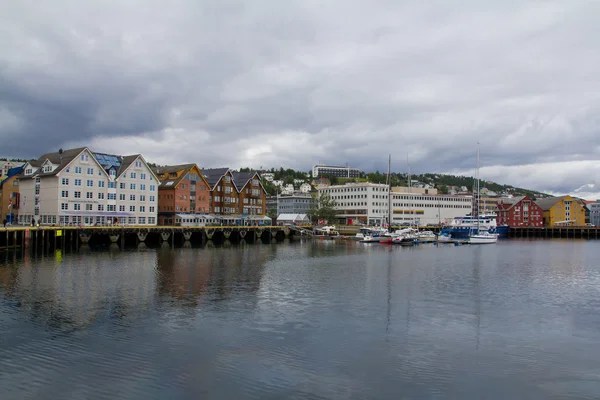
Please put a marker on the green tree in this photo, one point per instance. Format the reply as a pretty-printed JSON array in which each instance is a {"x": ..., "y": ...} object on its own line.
[
  {"x": 323, "y": 207},
  {"x": 443, "y": 189}
]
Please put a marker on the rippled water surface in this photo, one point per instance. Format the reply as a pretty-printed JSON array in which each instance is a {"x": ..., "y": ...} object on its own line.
[{"x": 304, "y": 320}]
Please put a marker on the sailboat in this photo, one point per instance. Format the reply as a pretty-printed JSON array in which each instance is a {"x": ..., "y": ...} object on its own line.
[
  {"x": 479, "y": 237},
  {"x": 386, "y": 238}
]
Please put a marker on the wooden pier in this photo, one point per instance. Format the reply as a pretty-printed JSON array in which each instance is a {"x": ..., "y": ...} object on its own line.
[
  {"x": 58, "y": 237},
  {"x": 559, "y": 232}
]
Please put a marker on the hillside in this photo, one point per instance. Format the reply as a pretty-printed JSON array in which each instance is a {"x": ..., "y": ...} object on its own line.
[{"x": 439, "y": 181}]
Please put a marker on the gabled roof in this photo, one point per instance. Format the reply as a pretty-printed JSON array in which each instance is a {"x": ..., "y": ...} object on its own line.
[
  {"x": 214, "y": 175},
  {"x": 507, "y": 204},
  {"x": 10, "y": 173},
  {"x": 549, "y": 202},
  {"x": 240, "y": 179},
  {"x": 171, "y": 169},
  {"x": 61, "y": 158}
]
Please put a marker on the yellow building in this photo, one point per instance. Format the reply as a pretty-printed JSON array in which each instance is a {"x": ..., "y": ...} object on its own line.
[{"x": 564, "y": 210}]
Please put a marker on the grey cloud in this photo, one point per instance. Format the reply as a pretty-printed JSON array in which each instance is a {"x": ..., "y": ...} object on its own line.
[{"x": 337, "y": 81}]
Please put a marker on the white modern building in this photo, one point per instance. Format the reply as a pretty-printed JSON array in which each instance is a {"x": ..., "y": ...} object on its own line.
[
  {"x": 428, "y": 209},
  {"x": 367, "y": 203},
  {"x": 80, "y": 187},
  {"x": 340, "y": 172}
]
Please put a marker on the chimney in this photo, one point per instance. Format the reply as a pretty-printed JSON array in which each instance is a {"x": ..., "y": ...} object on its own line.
[{"x": 60, "y": 151}]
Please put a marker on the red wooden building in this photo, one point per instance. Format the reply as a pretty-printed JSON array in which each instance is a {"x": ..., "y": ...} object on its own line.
[{"x": 519, "y": 211}]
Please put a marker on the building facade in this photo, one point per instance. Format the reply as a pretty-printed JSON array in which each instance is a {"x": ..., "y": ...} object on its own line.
[
  {"x": 80, "y": 187},
  {"x": 223, "y": 199},
  {"x": 594, "y": 212},
  {"x": 360, "y": 203},
  {"x": 182, "y": 190},
  {"x": 10, "y": 198},
  {"x": 340, "y": 172},
  {"x": 428, "y": 209},
  {"x": 562, "y": 211},
  {"x": 293, "y": 204},
  {"x": 252, "y": 196},
  {"x": 520, "y": 211}
]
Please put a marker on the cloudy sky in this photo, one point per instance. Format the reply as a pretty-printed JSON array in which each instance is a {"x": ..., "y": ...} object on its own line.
[{"x": 296, "y": 82}]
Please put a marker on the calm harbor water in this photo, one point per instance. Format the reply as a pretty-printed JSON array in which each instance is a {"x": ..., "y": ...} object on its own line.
[{"x": 304, "y": 320}]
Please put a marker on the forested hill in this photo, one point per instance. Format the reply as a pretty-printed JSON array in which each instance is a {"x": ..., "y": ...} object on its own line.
[{"x": 439, "y": 181}]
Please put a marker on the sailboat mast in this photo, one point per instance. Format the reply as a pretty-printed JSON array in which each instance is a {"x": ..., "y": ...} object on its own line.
[
  {"x": 389, "y": 184},
  {"x": 477, "y": 186},
  {"x": 412, "y": 218}
]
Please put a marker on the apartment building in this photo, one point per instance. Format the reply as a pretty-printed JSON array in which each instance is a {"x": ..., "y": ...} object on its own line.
[
  {"x": 293, "y": 204},
  {"x": 365, "y": 203},
  {"x": 224, "y": 195},
  {"x": 340, "y": 172},
  {"x": 182, "y": 190},
  {"x": 10, "y": 199},
  {"x": 78, "y": 186},
  {"x": 252, "y": 196}
]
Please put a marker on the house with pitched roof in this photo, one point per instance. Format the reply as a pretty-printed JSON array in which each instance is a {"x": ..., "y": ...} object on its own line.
[
  {"x": 10, "y": 199},
  {"x": 519, "y": 211},
  {"x": 224, "y": 194},
  {"x": 78, "y": 186},
  {"x": 563, "y": 211},
  {"x": 251, "y": 194},
  {"x": 183, "y": 190}
]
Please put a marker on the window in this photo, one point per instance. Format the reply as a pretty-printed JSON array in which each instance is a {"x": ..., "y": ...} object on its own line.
[
  {"x": 65, "y": 181},
  {"x": 101, "y": 196},
  {"x": 88, "y": 207},
  {"x": 121, "y": 208},
  {"x": 76, "y": 206},
  {"x": 152, "y": 188},
  {"x": 132, "y": 197},
  {"x": 101, "y": 184},
  {"x": 122, "y": 185},
  {"x": 111, "y": 207},
  {"x": 121, "y": 196},
  {"x": 90, "y": 183},
  {"x": 77, "y": 195},
  {"x": 142, "y": 208},
  {"x": 100, "y": 207},
  {"x": 77, "y": 182},
  {"x": 142, "y": 187},
  {"x": 99, "y": 172},
  {"x": 64, "y": 206},
  {"x": 142, "y": 176},
  {"x": 142, "y": 220},
  {"x": 28, "y": 171},
  {"x": 132, "y": 208},
  {"x": 132, "y": 175},
  {"x": 152, "y": 209},
  {"x": 132, "y": 186},
  {"x": 90, "y": 171},
  {"x": 151, "y": 220},
  {"x": 142, "y": 197},
  {"x": 84, "y": 157},
  {"x": 89, "y": 195},
  {"x": 138, "y": 164},
  {"x": 65, "y": 193},
  {"x": 112, "y": 196},
  {"x": 77, "y": 170},
  {"x": 151, "y": 198},
  {"x": 112, "y": 185}
]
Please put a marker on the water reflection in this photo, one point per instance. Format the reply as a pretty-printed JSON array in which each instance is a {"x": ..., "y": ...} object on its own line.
[{"x": 307, "y": 319}]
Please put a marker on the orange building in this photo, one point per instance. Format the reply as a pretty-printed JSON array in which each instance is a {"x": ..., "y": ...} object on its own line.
[
  {"x": 252, "y": 195},
  {"x": 9, "y": 195},
  {"x": 224, "y": 194},
  {"x": 182, "y": 190}
]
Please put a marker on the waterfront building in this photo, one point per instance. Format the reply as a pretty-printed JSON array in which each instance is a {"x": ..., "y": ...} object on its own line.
[
  {"x": 10, "y": 199},
  {"x": 293, "y": 204},
  {"x": 428, "y": 209},
  {"x": 183, "y": 190},
  {"x": 562, "y": 211},
  {"x": 365, "y": 203},
  {"x": 340, "y": 172},
  {"x": 593, "y": 207},
  {"x": 78, "y": 186},
  {"x": 519, "y": 212},
  {"x": 223, "y": 197},
  {"x": 251, "y": 193}
]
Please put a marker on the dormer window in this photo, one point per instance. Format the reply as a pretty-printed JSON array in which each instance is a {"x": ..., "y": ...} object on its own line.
[
  {"x": 47, "y": 168},
  {"x": 28, "y": 171}
]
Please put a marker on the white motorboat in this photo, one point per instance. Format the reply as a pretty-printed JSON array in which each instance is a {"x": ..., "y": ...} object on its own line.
[
  {"x": 483, "y": 238},
  {"x": 426, "y": 237},
  {"x": 370, "y": 239}
]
